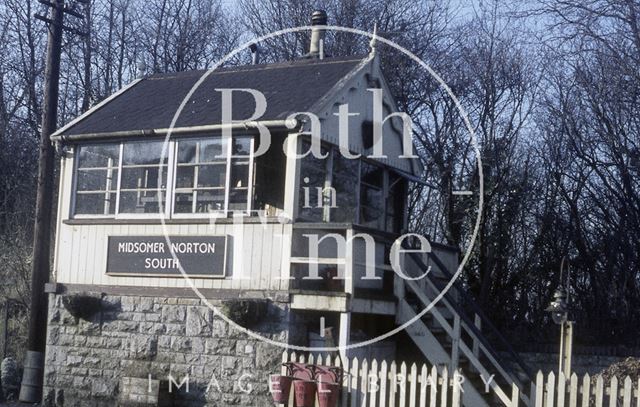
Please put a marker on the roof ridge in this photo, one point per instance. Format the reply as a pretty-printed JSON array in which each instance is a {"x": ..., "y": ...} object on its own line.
[{"x": 246, "y": 68}]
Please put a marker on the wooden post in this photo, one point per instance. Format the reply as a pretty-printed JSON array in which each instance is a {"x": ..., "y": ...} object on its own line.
[
  {"x": 515, "y": 395},
  {"x": 455, "y": 343},
  {"x": 477, "y": 321},
  {"x": 561, "y": 355},
  {"x": 5, "y": 328},
  {"x": 44, "y": 199},
  {"x": 343, "y": 338},
  {"x": 567, "y": 348},
  {"x": 40, "y": 267},
  {"x": 292, "y": 176},
  {"x": 345, "y": 317}
]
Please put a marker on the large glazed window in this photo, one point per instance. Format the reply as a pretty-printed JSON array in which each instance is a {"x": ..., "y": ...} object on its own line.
[
  {"x": 97, "y": 179},
  {"x": 213, "y": 175},
  {"x": 269, "y": 181},
  {"x": 344, "y": 180},
  {"x": 133, "y": 179},
  {"x": 201, "y": 176},
  {"x": 142, "y": 170},
  {"x": 240, "y": 178},
  {"x": 339, "y": 189},
  {"x": 396, "y": 192},
  {"x": 371, "y": 195},
  {"x": 314, "y": 186}
]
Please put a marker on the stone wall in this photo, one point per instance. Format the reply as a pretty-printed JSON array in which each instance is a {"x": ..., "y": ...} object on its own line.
[{"x": 137, "y": 336}]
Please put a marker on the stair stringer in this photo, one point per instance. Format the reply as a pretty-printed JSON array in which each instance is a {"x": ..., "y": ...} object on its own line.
[{"x": 434, "y": 352}]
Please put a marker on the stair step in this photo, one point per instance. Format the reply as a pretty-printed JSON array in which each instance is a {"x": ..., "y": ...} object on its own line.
[
  {"x": 441, "y": 335},
  {"x": 436, "y": 329}
]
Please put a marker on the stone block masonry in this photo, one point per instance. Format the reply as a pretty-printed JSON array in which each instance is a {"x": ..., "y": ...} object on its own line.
[{"x": 96, "y": 362}]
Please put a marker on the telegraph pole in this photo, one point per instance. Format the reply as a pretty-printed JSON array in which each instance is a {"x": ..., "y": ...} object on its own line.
[{"x": 31, "y": 388}]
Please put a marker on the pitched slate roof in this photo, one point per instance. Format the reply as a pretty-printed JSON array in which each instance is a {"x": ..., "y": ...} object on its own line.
[{"x": 152, "y": 102}]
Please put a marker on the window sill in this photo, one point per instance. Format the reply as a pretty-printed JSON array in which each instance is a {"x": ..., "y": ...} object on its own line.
[{"x": 175, "y": 221}]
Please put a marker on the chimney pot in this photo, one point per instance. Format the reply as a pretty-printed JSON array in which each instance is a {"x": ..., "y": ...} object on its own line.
[
  {"x": 319, "y": 17},
  {"x": 255, "y": 53}
]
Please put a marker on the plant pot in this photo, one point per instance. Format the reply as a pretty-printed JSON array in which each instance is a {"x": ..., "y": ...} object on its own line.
[
  {"x": 328, "y": 394},
  {"x": 280, "y": 387},
  {"x": 82, "y": 305},
  {"x": 305, "y": 393}
]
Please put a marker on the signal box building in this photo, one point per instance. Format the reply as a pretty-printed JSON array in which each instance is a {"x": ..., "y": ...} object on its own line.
[{"x": 172, "y": 222}]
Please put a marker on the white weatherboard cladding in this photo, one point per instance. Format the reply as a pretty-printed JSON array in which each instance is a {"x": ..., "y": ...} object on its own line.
[
  {"x": 255, "y": 256},
  {"x": 81, "y": 250},
  {"x": 353, "y": 91}
]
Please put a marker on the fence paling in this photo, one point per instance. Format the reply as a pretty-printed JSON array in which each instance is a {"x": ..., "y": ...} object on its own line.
[
  {"x": 587, "y": 391},
  {"x": 383, "y": 384}
]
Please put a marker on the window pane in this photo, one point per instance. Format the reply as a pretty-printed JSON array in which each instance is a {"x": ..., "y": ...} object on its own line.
[
  {"x": 140, "y": 202},
  {"x": 371, "y": 195},
  {"x": 312, "y": 210},
  {"x": 395, "y": 203},
  {"x": 144, "y": 153},
  {"x": 95, "y": 204},
  {"x": 238, "y": 200},
  {"x": 202, "y": 151},
  {"x": 98, "y": 155},
  {"x": 241, "y": 146},
  {"x": 269, "y": 181},
  {"x": 142, "y": 177},
  {"x": 142, "y": 173},
  {"x": 344, "y": 167},
  {"x": 371, "y": 217},
  {"x": 212, "y": 175},
  {"x": 185, "y": 176},
  {"x": 209, "y": 171},
  {"x": 183, "y": 202},
  {"x": 212, "y": 150},
  {"x": 345, "y": 202},
  {"x": 187, "y": 151},
  {"x": 372, "y": 174},
  {"x": 345, "y": 177},
  {"x": 313, "y": 174},
  {"x": 210, "y": 201},
  {"x": 97, "y": 180},
  {"x": 239, "y": 175}
]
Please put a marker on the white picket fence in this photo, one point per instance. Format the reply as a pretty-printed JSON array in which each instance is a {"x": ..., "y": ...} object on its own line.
[
  {"x": 381, "y": 384},
  {"x": 555, "y": 391}
]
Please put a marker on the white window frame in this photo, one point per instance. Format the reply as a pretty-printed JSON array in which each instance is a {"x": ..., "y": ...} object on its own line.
[
  {"x": 150, "y": 215},
  {"x": 228, "y": 157},
  {"x": 169, "y": 193},
  {"x": 74, "y": 190},
  {"x": 246, "y": 212}
]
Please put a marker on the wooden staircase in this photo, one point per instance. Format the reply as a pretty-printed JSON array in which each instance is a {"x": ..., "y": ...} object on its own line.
[{"x": 450, "y": 330}]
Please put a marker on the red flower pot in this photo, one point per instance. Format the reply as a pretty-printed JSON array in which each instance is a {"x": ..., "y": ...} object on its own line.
[
  {"x": 328, "y": 394},
  {"x": 280, "y": 387},
  {"x": 305, "y": 392}
]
